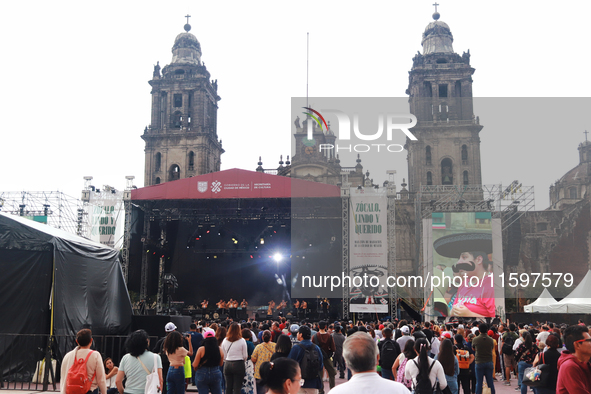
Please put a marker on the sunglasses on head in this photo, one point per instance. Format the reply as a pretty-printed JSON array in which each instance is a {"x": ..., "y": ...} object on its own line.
[{"x": 583, "y": 340}]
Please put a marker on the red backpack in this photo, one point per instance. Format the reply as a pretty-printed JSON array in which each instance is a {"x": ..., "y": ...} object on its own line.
[{"x": 77, "y": 381}]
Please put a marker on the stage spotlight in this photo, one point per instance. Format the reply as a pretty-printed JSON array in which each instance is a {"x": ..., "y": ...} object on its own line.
[
  {"x": 277, "y": 257},
  {"x": 262, "y": 241}
]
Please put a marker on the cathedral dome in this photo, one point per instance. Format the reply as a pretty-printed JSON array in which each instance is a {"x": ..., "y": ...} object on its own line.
[
  {"x": 437, "y": 38},
  {"x": 186, "y": 49}
]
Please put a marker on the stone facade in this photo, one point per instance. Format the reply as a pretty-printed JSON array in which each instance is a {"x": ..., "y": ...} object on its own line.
[
  {"x": 182, "y": 140},
  {"x": 447, "y": 150}
]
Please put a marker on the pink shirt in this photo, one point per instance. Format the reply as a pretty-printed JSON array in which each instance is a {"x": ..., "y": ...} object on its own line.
[{"x": 479, "y": 300}]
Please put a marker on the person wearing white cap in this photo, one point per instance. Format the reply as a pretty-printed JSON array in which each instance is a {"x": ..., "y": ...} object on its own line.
[
  {"x": 405, "y": 336},
  {"x": 158, "y": 349}
]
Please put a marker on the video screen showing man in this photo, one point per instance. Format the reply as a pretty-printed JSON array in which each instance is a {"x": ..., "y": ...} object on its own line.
[{"x": 472, "y": 292}]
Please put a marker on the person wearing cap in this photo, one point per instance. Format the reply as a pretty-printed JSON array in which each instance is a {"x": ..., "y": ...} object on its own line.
[
  {"x": 159, "y": 349},
  {"x": 298, "y": 351},
  {"x": 405, "y": 336},
  {"x": 207, "y": 363},
  {"x": 472, "y": 298}
]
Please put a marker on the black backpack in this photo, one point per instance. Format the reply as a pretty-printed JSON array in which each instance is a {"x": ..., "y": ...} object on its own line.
[
  {"x": 508, "y": 343},
  {"x": 388, "y": 353},
  {"x": 310, "y": 363},
  {"x": 423, "y": 385}
]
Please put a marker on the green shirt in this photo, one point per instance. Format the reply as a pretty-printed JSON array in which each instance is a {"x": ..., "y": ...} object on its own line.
[{"x": 483, "y": 346}]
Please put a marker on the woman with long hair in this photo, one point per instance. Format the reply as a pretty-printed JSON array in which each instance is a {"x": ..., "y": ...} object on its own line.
[
  {"x": 111, "y": 376},
  {"x": 451, "y": 367},
  {"x": 220, "y": 335},
  {"x": 236, "y": 354},
  {"x": 173, "y": 346},
  {"x": 207, "y": 363},
  {"x": 282, "y": 347},
  {"x": 263, "y": 352},
  {"x": 134, "y": 364},
  {"x": 399, "y": 367},
  {"x": 282, "y": 376},
  {"x": 425, "y": 368},
  {"x": 525, "y": 355}
]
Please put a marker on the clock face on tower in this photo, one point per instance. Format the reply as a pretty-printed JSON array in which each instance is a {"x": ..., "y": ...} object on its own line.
[{"x": 310, "y": 149}]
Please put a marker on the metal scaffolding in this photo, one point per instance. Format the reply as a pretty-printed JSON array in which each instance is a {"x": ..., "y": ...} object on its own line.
[
  {"x": 52, "y": 207},
  {"x": 507, "y": 203}
]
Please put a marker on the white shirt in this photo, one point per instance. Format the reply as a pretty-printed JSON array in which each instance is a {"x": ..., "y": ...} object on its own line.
[
  {"x": 411, "y": 371},
  {"x": 235, "y": 351},
  {"x": 518, "y": 342},
  {"x": 435, "y": 346},
  {"x": 369, "y": 382}
]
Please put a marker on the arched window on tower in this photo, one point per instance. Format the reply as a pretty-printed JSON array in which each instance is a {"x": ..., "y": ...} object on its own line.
[
  {"x": 157, "y": 181},
  {"x": 191, "y": 160},
  {"x": 177, "y": 119},
  {"x": 157, "y": 161},
  {"x": 447, "y": 172},
  {"x": 572, "y": 193},
  {"x": 174, "y": 173},
  {"x": 428, "y": 155},
  {"x": 429, "y": 178},
  {"x": 466, "y": 180},
  {"x": 464, "y": 154}
]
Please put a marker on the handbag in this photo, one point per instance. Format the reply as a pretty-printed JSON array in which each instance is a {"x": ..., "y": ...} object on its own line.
[
  {"x": 536, "y": 376},
  {"x": 439, "y": 390},
  {"x": 152, "y": 380}
]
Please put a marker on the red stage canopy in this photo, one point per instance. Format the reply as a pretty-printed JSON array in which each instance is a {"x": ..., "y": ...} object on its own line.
[{"x": 235, "y": 183}]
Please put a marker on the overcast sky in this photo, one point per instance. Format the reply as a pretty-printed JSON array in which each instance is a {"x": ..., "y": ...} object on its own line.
[{"x": 75, "y": 94}]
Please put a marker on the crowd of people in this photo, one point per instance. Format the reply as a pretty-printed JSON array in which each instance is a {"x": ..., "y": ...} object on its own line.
[{"x": 399, "y": 356}]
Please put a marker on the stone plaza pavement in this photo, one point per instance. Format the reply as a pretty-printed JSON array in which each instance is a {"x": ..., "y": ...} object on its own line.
[{"x": 499, "y": 388}]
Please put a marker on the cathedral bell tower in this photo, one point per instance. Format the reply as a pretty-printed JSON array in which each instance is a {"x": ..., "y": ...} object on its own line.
[
  {"x": 182, "y": 140},
  {"x": 447, "y": 150}
]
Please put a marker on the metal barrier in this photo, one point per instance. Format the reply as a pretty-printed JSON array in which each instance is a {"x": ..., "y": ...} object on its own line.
[{"x": 24, "y": 357}]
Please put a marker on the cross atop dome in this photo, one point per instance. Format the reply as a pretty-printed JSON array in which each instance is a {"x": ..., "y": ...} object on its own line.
[
  {"x": 436, "y": 14},
  {"x": 187, "y": 26}
]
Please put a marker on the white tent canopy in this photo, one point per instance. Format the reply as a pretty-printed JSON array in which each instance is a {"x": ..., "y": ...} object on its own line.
[
  {"x": 578, "y": 301},
  {"x": 541, "y": 304}
]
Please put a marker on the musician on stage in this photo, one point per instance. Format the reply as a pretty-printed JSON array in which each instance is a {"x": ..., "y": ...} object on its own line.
[
  {"x": 281, "y": 306},
  {"x": 304, "y": 307},
  {"x": 325, "y": 304},
  {"x": 204, "y": 304},
  {"x": 221, "y": 304},
  {"x": 232, "y": 305},
  {"x": 296, "y": 307},
  {"x": 243, "y": 304},
  {"x": 271, "y": 306}
]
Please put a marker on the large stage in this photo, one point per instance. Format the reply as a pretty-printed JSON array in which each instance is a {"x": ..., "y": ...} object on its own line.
[{"x": 237, "y": 243}]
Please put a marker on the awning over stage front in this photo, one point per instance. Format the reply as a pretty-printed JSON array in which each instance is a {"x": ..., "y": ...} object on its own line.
[{"x": 235, "y": 183}]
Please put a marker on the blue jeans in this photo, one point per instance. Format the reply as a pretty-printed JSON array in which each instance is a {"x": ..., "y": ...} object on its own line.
[
  {"x": 209, "y": 380},
  {"x": 387, "y": 374},
  {"x": 521, "y": 366},
  {"x": 452, "y": 383},
  {"x": 484, "y": 370},
  {"x": 175, "y": 380}
]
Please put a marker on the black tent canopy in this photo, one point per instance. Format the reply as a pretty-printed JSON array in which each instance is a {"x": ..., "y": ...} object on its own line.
[{"x": 43, "y": 267}]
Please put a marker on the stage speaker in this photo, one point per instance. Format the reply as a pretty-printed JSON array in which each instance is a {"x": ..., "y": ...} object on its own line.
[{"x": 513, "y": 244}]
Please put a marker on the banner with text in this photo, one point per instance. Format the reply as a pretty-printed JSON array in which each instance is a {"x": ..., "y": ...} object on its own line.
[
  {"x": 368, "y": 244},
  {"x": 106, "y": 218}
]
